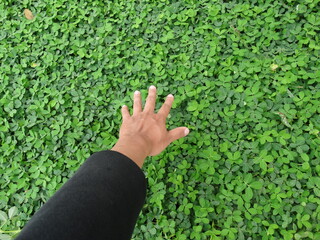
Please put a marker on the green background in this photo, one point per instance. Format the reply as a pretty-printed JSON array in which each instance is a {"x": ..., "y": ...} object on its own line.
[{"x": 246, "y": 81}]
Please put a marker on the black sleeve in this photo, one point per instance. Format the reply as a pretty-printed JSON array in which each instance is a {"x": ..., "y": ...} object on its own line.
[{"x": 101, "y": 201}]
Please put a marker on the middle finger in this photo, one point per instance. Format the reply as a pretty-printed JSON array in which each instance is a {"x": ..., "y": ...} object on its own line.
[
  {"x": 151, "y": 100},
  {"x": 137, "y": 105}
]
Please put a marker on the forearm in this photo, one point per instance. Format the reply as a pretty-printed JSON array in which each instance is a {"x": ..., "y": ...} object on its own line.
[{"x": 101, "y": 201}]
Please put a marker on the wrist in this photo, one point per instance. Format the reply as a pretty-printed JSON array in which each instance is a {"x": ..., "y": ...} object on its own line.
[{"x": 137, "y": 151}]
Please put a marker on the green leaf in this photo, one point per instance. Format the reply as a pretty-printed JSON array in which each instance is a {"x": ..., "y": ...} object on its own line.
[
  {"x": 263, "y": 165},
  {"x": 268, "y": 158},
  {"x": 3, "y": 216},
  {"x": 305, "y": 166},
  {"x": 305, "y": 218},
  {"x": 248, "y": 194},
  {"x": 108, "y": 27},
  {"x": 193, "y": 105},
  {"x": 81, "y": 52},
  {"x": 152, "y": 231},
  {"x": 307, "y": 224},
  {"x": 224, "y": 232},
  {"x": 305, "y": 157},
  {"x": 5, "y": 237},
  {"x": 248, "y": 178},
  {"x": 224, "y": 147},
  {"x": 256, "y": 185},
  {"x": 255, "y": 87},
  {"x": 13, "y": 211}
]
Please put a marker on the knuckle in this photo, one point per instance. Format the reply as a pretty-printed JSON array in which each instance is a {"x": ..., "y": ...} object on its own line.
[
  {"x": 167, "y": 106},
  {"x": 158, "y": 117}
]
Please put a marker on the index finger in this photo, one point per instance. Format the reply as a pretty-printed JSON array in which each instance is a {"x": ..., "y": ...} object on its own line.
[{"x": 166, "y": 107}]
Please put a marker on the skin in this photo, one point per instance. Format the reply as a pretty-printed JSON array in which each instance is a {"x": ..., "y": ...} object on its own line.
[{"x": 144, "y": 133}]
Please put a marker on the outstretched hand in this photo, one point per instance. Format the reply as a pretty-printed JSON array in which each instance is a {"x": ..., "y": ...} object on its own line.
[{"x": 147, "y": 127}]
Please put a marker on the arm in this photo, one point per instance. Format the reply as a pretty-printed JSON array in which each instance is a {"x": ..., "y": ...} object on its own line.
[
  {"x": 101, "y": 201},
  {"x": 105, "y": 196}
]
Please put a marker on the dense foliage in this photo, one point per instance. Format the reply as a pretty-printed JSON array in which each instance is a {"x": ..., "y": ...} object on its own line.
[{"x": 246, "y": 81}]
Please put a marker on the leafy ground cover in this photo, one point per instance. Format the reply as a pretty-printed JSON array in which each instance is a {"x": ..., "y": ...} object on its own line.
[{"x": 246, "y": 81}]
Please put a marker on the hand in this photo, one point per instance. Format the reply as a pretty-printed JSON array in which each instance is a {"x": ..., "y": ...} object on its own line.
[{"x": 147, "y": 128}]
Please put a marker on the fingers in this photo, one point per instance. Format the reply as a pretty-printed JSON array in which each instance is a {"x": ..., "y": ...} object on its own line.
[
  {"x": 176, "y": 134},
  {"x": 166, "y": 107},
  {"x": 151, "y": 100},
  {"x": 125, "y": 112},
  {"x": 150, "y": 103},
  {"x": 137, "y": 105}
]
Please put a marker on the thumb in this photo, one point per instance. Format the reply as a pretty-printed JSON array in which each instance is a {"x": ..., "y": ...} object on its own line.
[{"x": 177, "y": 133}]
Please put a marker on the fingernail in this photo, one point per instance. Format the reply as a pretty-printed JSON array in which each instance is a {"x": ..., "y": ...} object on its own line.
[
  {"x": 186, "y": 132},
  {"x": 170, "y": 95},
  {"x": 152, "y": 87},
  {"x": 136, "y": 92}
]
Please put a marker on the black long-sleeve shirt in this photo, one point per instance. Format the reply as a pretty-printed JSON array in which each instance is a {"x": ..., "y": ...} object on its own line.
[{"x": 102, "y": 200}]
